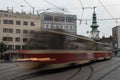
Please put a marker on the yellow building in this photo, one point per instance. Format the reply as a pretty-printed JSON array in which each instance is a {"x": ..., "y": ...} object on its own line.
[{"x": 16, "y": 28}]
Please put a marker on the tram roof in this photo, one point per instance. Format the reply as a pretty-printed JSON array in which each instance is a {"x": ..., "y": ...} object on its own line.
[{"x": 69, "y": 34}]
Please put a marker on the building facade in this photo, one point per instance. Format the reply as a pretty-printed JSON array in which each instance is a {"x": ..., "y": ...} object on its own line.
[
  {"x": 116, "y": 37},
  {"x": 53, "y": 21},
  {"x": 16, "y": 28},
  {"x": 108, "y": 40}
]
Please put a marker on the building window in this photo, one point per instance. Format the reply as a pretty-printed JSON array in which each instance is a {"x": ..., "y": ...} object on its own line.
[
  {"x": 17, "y": 46},
  {"x": 57, "y": 26},
  {"x": 10, "y": 30},
  {"x": 18, "y": 23},
  {"x": 24, "y": 47},
  {"x": 10, "y": 47},
  {"x": 32, "y": 31},
  {"x": 61, "y": 26},
  {"x": 7, "y": 39},
  {"x": 62, "y": 19},
  {"x": 17, "y": 39},
  {"x": 6, "y": 15},
  {"x": 70, "y": 19},
  {"x": 25, "y": 23},
  {"x": 18, "y": 31},
  {"x": 25, "y": 31},
  {"x": 66, "y": 27},
  {"x": 7, "y": 21},
  {"x": 56, "y": 18},
  {"x": 10, "y": 39},
  {"x": 10, "y": 21},
  {"x": 32, "y": 24},
  {"x": 48, "y": 18},
  {"x": 47, "y": 26},
  {"x": 5, "y": 30},
  {"x": 25, "y": 39},
  {"x": 44, "y": 25}
]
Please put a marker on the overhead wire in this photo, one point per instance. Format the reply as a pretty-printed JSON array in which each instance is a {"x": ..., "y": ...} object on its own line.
[
  {"x": 18, "y": 3},
  {"x": 82, "y": 11},
  {"x": 81, "y": 3},
  {"x": 54, "y": 5},
  {"x": 82, "y": 15},
  {"x": 107, "y": 11},
  {"x": 28, "y": 4},
  {"x": 103, "y": 19},
  {"x": 83, "y": 8}
]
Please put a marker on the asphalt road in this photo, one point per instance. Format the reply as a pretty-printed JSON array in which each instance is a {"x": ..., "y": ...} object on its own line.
[{"x": 103, "y": 70}]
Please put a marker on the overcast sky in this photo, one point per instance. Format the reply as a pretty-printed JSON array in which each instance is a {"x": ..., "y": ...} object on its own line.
[{"x": 74, "y": 7}]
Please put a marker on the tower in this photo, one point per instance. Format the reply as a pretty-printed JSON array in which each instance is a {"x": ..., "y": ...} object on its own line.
[{"x": 94, "y": 32}]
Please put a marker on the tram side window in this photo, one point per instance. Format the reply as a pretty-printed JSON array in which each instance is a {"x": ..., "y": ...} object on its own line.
[
  {"x": 102, "y": 47},
  {"x": 76, "y": 46},
  {"x": 90, "y": 45},
  {"x": 107, "y": 47},
  {"x": 82, "y": 46},
  {"x": 99, "y": 47}
]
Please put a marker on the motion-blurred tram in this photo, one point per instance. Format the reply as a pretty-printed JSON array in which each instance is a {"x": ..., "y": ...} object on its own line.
[{"x": 61, "y": 48}]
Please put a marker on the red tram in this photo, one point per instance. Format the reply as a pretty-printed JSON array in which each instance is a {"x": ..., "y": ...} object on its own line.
[{"x": 60, "y": 48}]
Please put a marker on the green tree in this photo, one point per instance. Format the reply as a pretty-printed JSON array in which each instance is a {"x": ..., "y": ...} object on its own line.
[{"x": 3, "y": 47}]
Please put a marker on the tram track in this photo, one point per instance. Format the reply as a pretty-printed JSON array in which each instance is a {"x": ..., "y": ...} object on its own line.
[
  {"x": 8, "y": 69},
  {"x": 108, "y": 72},
  {"x": 15, "y": 65},
  {"x": 76, "y": 73},
  {"x": 46, "y": 72},
  {"x": 71, "y": 77},
  {"x": 103, "y": 76},
  {"x": 90, "y": 76},
  {"x": 13, "y": 70},
  {"x": 93, "y": 72}
]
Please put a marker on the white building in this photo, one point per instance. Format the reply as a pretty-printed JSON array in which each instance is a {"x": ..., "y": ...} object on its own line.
[
  {"x": 15, "y": 28},
  {"x": 116, "y": 37},
  {"x": 53, "y": 20}
]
